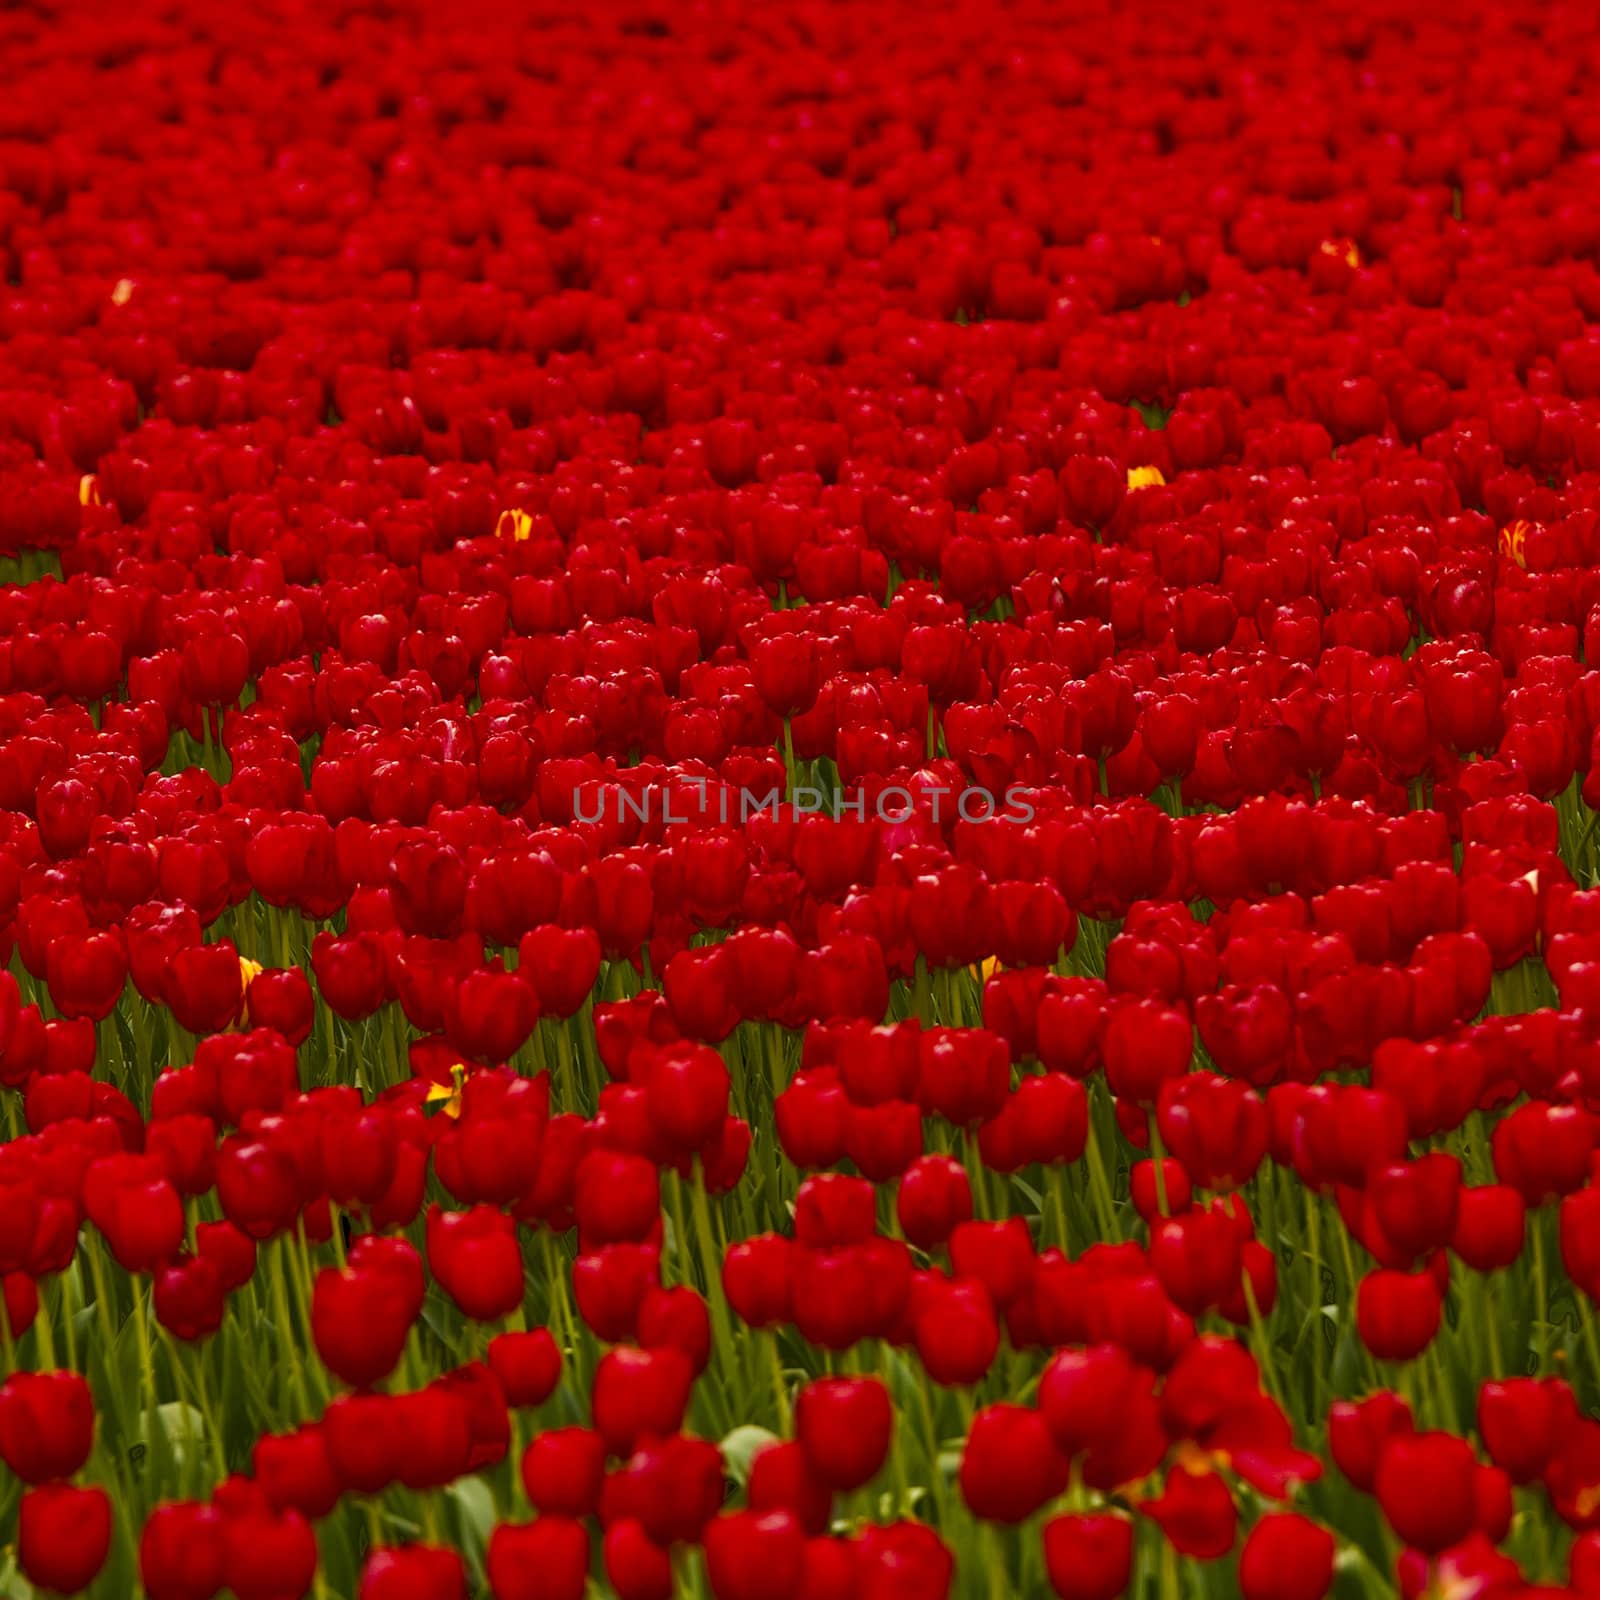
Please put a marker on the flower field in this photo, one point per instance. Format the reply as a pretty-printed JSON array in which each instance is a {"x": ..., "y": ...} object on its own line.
[{"x": 800, "y": 802}]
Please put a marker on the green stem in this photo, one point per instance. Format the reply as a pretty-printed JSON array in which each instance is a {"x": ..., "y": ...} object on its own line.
[
  {"x": 1541, "y": 1292},
  {"x": 780, "y": 1385},
  {"x": 710, "y": 1260}
]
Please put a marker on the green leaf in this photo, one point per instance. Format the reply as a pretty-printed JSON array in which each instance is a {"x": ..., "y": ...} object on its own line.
[
  {"x": 12, "y": 1584},
  {"x": 1346, "y": 1366},
  {"x": 476, "y": 1508},
  {"x": 888, "y": 1502},
  {"x": 185, "y": 1429},
  {"x": 130, "y": 1046},
  {"x": 741, "y": 1447}
]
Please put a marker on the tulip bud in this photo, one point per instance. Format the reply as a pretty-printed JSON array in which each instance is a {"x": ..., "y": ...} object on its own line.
[
  {"x": 547, "y": 1559},
  {"x": 528, "y": 1366},
  {"x": 1397, "y": 1313},
  {"x": 780, "y": 1479},
  {"x": 1089, "y": 1556},
  {"x": 1426, "y": 1485},
  {"x": 1525, "y": 1422},
  {"x": 844, "y": 1425},
  {"x": 754, "y": 1555},
  {"x": 181, "y": 1552},
  {"x": 638, "y": 1392},
  {"x": 474, "y": 1255},
  {"x": 1286, "y": 1557},
  {"x": 935, "y": 1196},
  {"x": 46, "y": 1424},
  {"x": 63, "y": 1536},
  {"x": 1010, "y": 1465},
  {"x": 638, "y": 1568},
  {"x": 416, "y": 1572}
]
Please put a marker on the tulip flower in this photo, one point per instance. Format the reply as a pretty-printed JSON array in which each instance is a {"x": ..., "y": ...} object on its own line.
[
  {"x": 843, "y": 1425},
  {"x": 1434, "y": 1517},
  {"x": 63, "y": 1536},
  {"x": 1286, "y": 1557},
  {"x": 1088, "y": 1557}
]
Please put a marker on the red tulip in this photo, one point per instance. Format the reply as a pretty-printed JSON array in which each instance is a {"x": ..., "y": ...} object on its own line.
[
  {"x": 638, "y": 1569},
  {"x": 204, "y": 987},
  {"x": 1397, "y": 1313},
  {"x": 843, "y": 1425},
  {"x": 561, "y": 964},
  {"x": 1489, "y": 1227},
  {"x": 1357, "y": 1434},
  {"x": 1583, "y": 1564},
  {"x": 1525, "y": 1422},
  {"x": 181, "y": 1552},
  {"x": 1146, "y": 1045},
  {"x": 474, "y": 1254},
  {"x": 1197, "y": 1258},
  {"x": 617, "y": 1197},
  {"x": 295, "y": 1472},
  {"x": 1172, "y": 1197},
  {"x": 257, "y": 1187},
  {"x": 1426, "y": 1486},
  {"x": 1580, "y": 1241},
  {"x": 351, "y": 973},
  {"x": 360, "y": 1319},
  {"x": 1089, "y": 1557},
  {"x": 137, "y": 1209},
  {"x": 832, "y": 1211},
  {"x": 1196, "y": 1513},
  {"x": 1084, "y": 1395},
  {"x": 562, "y": 1471},
  {"x": 756, "y": 1279},
  {"x": 902, "y": 1558},
  {"x": 964, "y": 1075},
  {"x": 46, "y": 1425},
  {"x": 751, "y": 1555},
  {"x": 639, "y": 1392},
  {"x": 416, "y": 1572},
  {"x": 281, "y": 999},
  {"x": 1286, "y": 1557},
  {"x": 87, "y": 974},
  {"x": 1572, "y": 1475},
  {"x": 1045, "y": 1121},
  {"x": 676, "y": 1319},
  {"x": 955, "y": 1329},
  {"x": 673, "y": 1484},
  {"x": 781, "y": 1480},
  {"x": 1010, "y": 1466},
  {"x": 489, "y": 1013},
  {"x": 1416, "y": 1203},
  {"x": 1543, "y": 1151},
  {"x": 935, "y": 1195},
  {"x": 1493, "y": 1505},
  {"x": 547, "y": 1559},
  {"x": 686, "y": 1089},
  {"x": 810, "y": 1118},
  {"x": 63, "y": 1536},
  {"x": 189, "y": 1299},
  {"x": 527, "y": 1365},
  {"x": 1215, "y": 1127},
  {"x": 611, "y": 1285},
  {"x": 999, "y": 1255}
]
